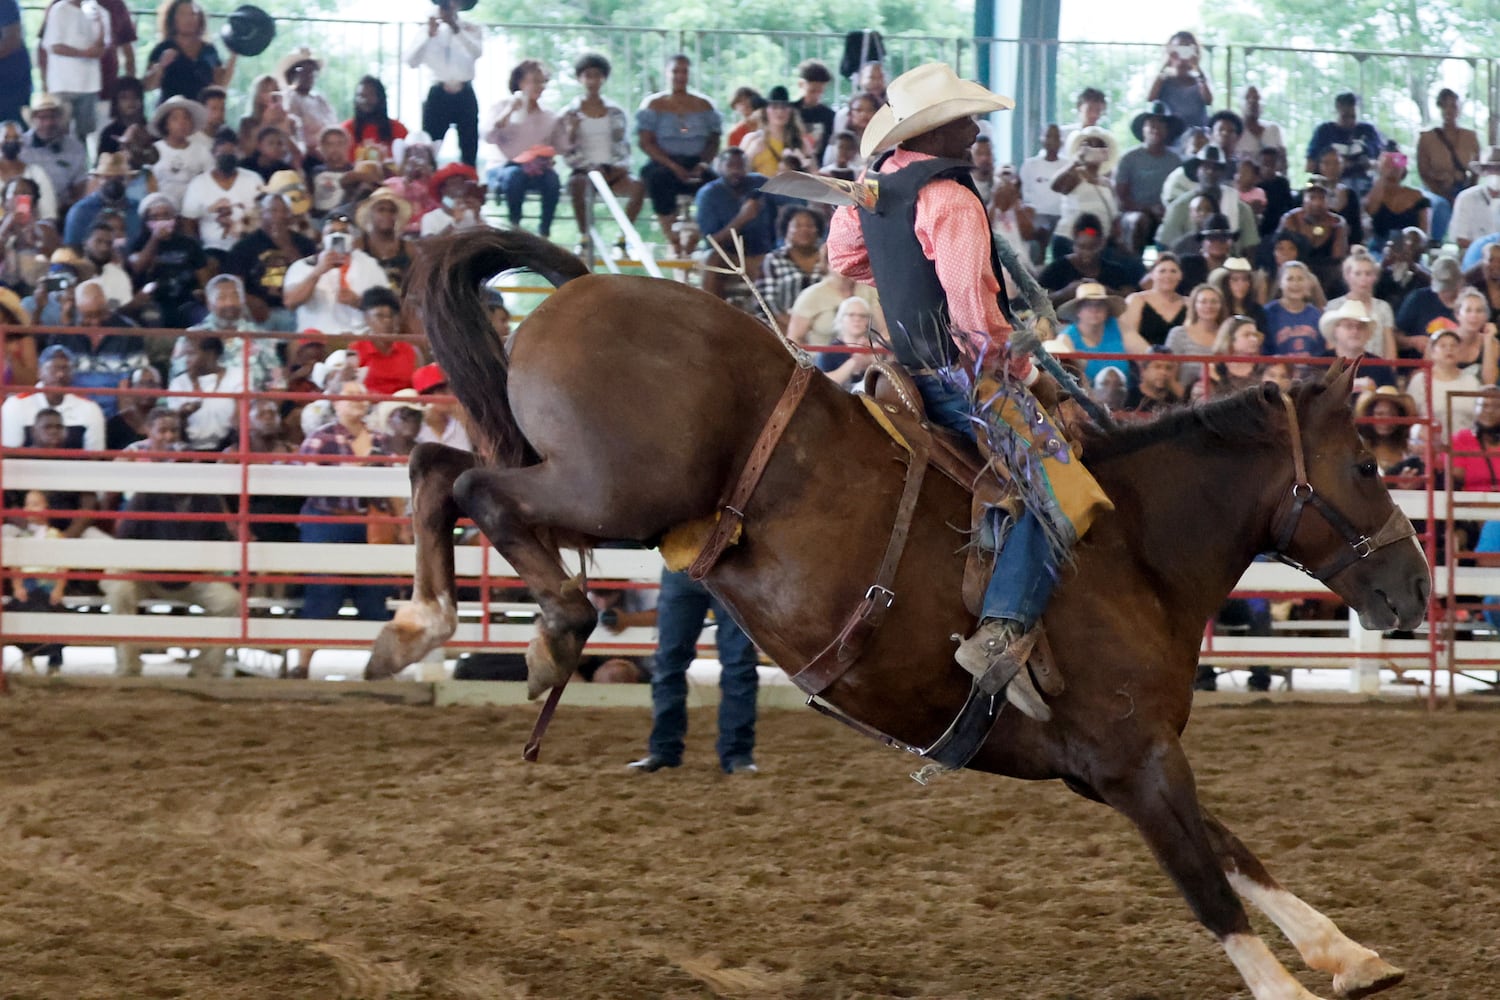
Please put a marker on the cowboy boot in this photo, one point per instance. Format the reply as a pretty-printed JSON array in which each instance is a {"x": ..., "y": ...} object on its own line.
[{"x": 995, "y": 654}]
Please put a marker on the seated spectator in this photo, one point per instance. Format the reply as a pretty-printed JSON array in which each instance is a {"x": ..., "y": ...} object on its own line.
[
  {"x": 527, "y": 135},
  {"x": 228, "y": 315},
  {"x": 1209, "y": 170},
  {"x": 1347, "y": 329},
  {"x": 678, "y": 131},
  {"x": 414, "y": 182},
  {"x": 1089, "y": 106},
  {"x": 180, "y": 155},
  {"x": 1142, "y": 171},
  {"x": 99, "y": 250},
  {"x": 1401, "y": 270},
  {"x": 815, "y": 310},
  {"x": 982, "y": 156},
  {"x": 326, "y": 173},
  {"x": 1224, "y": 131},
  {"x": 1010, "y": 219},
  {"x": 1084, "y": 185},
  {"x": 101, "y": 359},
  {"x": 1182, "y": 85},
  {"x": 213, "y": 99},
  {"x": 268, "y": 109},
  {"x": 745, "y": 102},
  {"x": 26, "y": 242},
  {"x": 1206, "y": 313},
  {"x": 37, "y": 588},
  {"x": 48, "y": 433},
  {"x": 796, "y": 265},
  {"x": 270, "y": 155},
  {"x": 1237, "y": 337},
  {"x": 813, "y": 79},
  {"x": 1247, "y": 186},
  {"x": 1392, "y": 204},
  {"x": 216, "y": 597},
  {"x": 1278, "y": 190},
  {"x": 1324, "y": 232},
  {"x": 1344, "y": 201},
  {"x": 441, "y": 421},
  {"x": 597, "y": 136},
  {"x": 1086, "y": 264},
  {"x": 345, "y": 435},
  {"x": 1430, "y": 388},
  {"x": 49, "y": 146},
  {"x": 1257, "y": 135},
  {"x": 869, "y": 90},
  {"x": 208, "y": 420},
  {"x": 401, "y": 421},
  {"x": 1472, "y": 315},
  {"x": 268, "y": 436},
  {"x": 1157, "y": 388},
  {"x": 168, "y": 265},
  {"x": 853, "y": 120},
  {"x": 851, "y": 328},
  {"x": 1445, "y": 154},
  {"x": 460, "y": 199},
  {"x": 1216, "y": 242},
  {"x": 130, "y": 422},
  {"x": 1154, "y": 312},
  {"x": 82, "y": 419},
  {"x": 112, "y": 174},
  {"x": 1423, "y": 305},
  {"x": 388, "y": 364},
  {"x": 1093, "y": 329},
  {"x": 1036, "y": 176},
  {"x": 1378, "y": 414},
  {"x": 325, "y": 288},
  {"x": 20, "y": 347},
  {"x": 1472, "y": 466},
  {"x": 382, "y": 221},
  {"x": 1357, "y": 144},
  {"x": 1292, "y": 318},
  {"x": 1485, "y": 277},
  {"x": 261, "y": 259},
  {"x": 127, "y": 107},
  {"x": 841, "y": 159},
  {"x": 372, "y": 129},
  {"x": 1109, "y": 388},
  {"x": 1360, "y": 274},
  {"x": 778, "y": 129},
  {"x": 494, "y": 305},
  {"x": 139, "y": 147},
  {"x": 1236, "y": 281},
  {"x": 732, "y": 203},
  {"x": 219, "y": 203},
  {"x": 12, "y": 167}
]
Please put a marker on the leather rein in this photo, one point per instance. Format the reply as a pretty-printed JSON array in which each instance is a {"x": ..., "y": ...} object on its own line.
[{"x": 1302, "y": 495}]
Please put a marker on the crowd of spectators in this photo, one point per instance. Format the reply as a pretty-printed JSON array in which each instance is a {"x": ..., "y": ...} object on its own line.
[{"x": 130, "y": 197}]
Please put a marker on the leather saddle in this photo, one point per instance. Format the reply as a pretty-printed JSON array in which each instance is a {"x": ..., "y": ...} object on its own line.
[{"x": 956, "y": 457}]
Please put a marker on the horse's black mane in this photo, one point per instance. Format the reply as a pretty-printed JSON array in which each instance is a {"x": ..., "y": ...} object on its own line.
[{"x": 1247, "y": 417}]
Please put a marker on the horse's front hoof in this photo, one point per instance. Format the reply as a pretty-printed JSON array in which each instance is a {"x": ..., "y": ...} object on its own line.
[{"x": 1367, "y": 978}]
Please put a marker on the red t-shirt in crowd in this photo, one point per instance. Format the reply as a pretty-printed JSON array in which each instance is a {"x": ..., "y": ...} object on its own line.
[{"x": 386, "y": 373}]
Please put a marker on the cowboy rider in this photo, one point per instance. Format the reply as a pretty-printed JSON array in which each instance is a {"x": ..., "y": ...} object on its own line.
[{"x": 927, "y": 246}]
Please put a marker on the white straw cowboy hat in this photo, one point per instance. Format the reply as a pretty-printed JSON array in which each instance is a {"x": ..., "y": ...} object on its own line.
[
  {"x": 923, "y": 99},
  {"x": 46, "y": 102},
  {"x": 1090, "y": 291},
  {"x": 292, "y": 60},
  {"x": 1111, "y": 147},
  {"x": 1351, "y": 310}
]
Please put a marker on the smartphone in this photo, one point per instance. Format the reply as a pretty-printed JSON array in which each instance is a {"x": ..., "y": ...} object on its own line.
[{"x": 338, "y": 242}]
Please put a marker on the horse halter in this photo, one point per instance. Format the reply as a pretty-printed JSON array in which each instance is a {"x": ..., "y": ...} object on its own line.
[{"x": 1302, "y": 495}]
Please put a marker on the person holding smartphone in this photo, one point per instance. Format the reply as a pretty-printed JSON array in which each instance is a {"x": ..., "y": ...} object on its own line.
[
  {"x": 325, "y": 289},
  {"x": 1182, "y": 85}
]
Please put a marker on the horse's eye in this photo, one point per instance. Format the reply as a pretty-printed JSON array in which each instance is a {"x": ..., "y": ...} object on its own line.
[{"x": 1369, "y": 469}]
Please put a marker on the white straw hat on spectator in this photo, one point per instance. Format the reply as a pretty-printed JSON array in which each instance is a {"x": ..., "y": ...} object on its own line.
[
  {"x": 1350, "y": 310},
  {"x": 1090, "y": 291},
  {"x": 380, "y": 417},
  {"x": 1238, "y": 264},
  {"x": 923, "y": 99},
  {"x": 1111, "y": 147}
]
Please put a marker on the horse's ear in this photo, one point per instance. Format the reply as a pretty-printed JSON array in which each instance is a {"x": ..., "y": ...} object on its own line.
[{"x": 1339, "y": 379}]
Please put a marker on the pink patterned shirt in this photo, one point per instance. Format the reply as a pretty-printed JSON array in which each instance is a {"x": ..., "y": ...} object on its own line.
[{"x": 951, "y": 218}]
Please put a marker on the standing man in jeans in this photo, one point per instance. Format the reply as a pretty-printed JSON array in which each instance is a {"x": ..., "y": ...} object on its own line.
[
  {"x": 450, "y": 48},
  {"x": 680, "y": 611}
]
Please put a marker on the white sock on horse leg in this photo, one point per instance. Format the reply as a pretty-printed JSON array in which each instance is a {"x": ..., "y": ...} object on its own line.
[{"x": 1266, "y": 977}]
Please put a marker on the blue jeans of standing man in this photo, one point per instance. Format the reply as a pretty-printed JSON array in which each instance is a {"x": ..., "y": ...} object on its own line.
[
  {"x": 680, "y": 613},
  {"x": 323, "y": 600},
  {"x": 515, "y": 182},
  {"x": 1024, "y": 576}
]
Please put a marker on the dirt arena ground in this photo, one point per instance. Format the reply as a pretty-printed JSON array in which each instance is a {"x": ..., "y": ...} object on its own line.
[{"x": 160, "y": 845}]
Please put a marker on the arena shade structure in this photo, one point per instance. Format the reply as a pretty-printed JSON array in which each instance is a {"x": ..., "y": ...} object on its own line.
[{"x": 508, "y": 625}]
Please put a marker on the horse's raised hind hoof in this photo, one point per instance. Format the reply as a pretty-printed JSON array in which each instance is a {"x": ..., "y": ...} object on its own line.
[
  {"x": 416, "y": 630},
  {"x": 550, "y": 660},
  {"x": 1369, "y": 977}
]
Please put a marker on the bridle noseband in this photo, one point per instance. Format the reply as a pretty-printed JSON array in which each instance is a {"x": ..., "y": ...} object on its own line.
[{"x": 1302, "y": 495}]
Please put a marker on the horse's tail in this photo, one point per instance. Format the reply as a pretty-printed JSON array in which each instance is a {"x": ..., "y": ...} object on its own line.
[{"x": 444, "y": 290}]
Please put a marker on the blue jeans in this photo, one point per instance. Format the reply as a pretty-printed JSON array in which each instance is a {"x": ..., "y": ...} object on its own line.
[
  {"x": 680, "y": 613},
  {"x": 1024, "y": 575},
  {"x": 515, "y": 182},
  {"x": 323, "y": 600}
]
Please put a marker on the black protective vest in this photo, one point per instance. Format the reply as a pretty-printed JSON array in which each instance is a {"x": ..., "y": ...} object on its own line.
[{"x": 915, "y": 306}]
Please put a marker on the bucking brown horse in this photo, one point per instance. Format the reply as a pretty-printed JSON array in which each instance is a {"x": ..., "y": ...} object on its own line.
[{"x": 630, "y": 406}]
